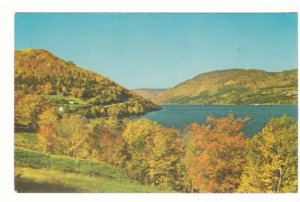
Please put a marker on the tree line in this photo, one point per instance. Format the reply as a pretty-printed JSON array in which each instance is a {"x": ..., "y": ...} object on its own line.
[{"x": 28, "y": 107}]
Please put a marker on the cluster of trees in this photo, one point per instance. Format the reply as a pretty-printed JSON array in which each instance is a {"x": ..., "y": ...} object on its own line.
[
  {"x": 38, "y": 72},
  {"x": 154, "y": 154},
  {"x": 29, "y": 107},
  {"x": 150, "y": 153},
  {"x": 215, "y": 154},
  {"x": 27, "y": 111},
  {"x": 131, "y": 107},
  {"x": 272, "y": 159},
  {"x": 220, "y": 159},
  {"x": 213, "y": 157}
]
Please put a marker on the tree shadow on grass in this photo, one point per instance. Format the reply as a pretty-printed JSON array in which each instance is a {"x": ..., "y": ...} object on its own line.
[{"x": 27, "y": 186}]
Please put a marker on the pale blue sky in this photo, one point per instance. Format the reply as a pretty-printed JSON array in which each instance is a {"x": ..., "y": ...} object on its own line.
[{"x": 162, "y": 50}]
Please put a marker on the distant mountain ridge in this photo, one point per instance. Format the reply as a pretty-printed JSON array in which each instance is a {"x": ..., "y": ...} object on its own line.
[
  {"x": 149, "y": 93},
  {"x": 39, "y": 72},
  {"x": 234, "y": 86}
]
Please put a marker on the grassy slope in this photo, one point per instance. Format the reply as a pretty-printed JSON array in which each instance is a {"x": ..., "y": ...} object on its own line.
[
  {"x": 49, "y": 180},
  {"x": 26, "y": 140},
  {"x": 38, "y": 172},
  {"x": 235, "y": 86}
]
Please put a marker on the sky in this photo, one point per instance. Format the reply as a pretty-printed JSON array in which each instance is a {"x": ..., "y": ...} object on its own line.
[{"x": 143, "y": 50}]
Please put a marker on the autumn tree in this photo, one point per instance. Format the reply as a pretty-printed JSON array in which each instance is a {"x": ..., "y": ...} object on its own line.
[
  {"x": 71, "y": 132},
  {"x": 105, "y": 142},
  {"x": 112, "y": 147},
  {"x": 165, "y": 167},
  {"x": 48, "y": 88},
  {"x": 154, "y": 154},
  {"x": 95, "y": 128},
  {"x": 272, "y": 158},
  {"x": 215, "y": 154},
  {"x": 27, "y": 110},
  {"x": 47, "y": 133}
]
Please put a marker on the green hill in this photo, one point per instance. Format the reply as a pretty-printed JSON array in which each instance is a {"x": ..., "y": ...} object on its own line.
[
  {"x": 235, "y": 86},
  {"x": 75, "y": 89}
]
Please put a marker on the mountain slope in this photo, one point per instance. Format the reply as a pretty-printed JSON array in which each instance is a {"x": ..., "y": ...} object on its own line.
[
  {"x": 39, "y": 72},
  {"x": 235, "y": 86},
  {"x": 148, "y": 93}
]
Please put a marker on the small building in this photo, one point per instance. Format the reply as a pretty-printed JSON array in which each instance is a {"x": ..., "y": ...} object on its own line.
[
  {"x": 71, "y": 102},
  {"x": 61, "y": 109}
]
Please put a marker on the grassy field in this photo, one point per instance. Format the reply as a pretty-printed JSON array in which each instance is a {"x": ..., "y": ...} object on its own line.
[
  {"x": 39, "y": 160},
  {"x": 26, "y": 140},
  {"x": 55, "y": 181},
  {"x": 39, "y": 172},
  {"x": 56, "y": 99}
]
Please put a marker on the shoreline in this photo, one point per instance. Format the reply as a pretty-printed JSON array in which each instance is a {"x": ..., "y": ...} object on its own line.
[{"x": 255, "y": 105}]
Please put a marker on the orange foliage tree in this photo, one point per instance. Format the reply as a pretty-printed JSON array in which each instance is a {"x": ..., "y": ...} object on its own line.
[
  {"x": 215, "y": 154},
  {"x": 104, "y": 141},
  {"x": 47, "y": 133}
]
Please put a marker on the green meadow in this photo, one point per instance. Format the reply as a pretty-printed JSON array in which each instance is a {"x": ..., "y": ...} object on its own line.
[{"x": 39, "y": 172}]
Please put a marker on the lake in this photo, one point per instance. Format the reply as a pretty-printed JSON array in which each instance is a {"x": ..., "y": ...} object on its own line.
[{"x": 179, "y": 116}]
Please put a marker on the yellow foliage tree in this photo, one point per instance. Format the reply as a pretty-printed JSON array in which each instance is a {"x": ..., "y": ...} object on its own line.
[
  {"x": 72, "y": 134},
  {"x": 272, "y": 159},
  {"x": 27, "y": 110},
  {"x": 154, "y": 154}
]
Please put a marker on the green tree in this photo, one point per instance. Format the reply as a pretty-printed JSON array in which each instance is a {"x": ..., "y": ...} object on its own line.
[{"x": 272, "y": 158}]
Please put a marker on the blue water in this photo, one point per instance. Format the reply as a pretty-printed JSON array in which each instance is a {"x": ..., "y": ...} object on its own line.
[{"x": 180, "y": 116}]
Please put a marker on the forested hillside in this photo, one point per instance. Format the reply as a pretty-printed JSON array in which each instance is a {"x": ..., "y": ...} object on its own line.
[
  {"x": 235, "y": 86},
  {"x": 73, "y": 89}
]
